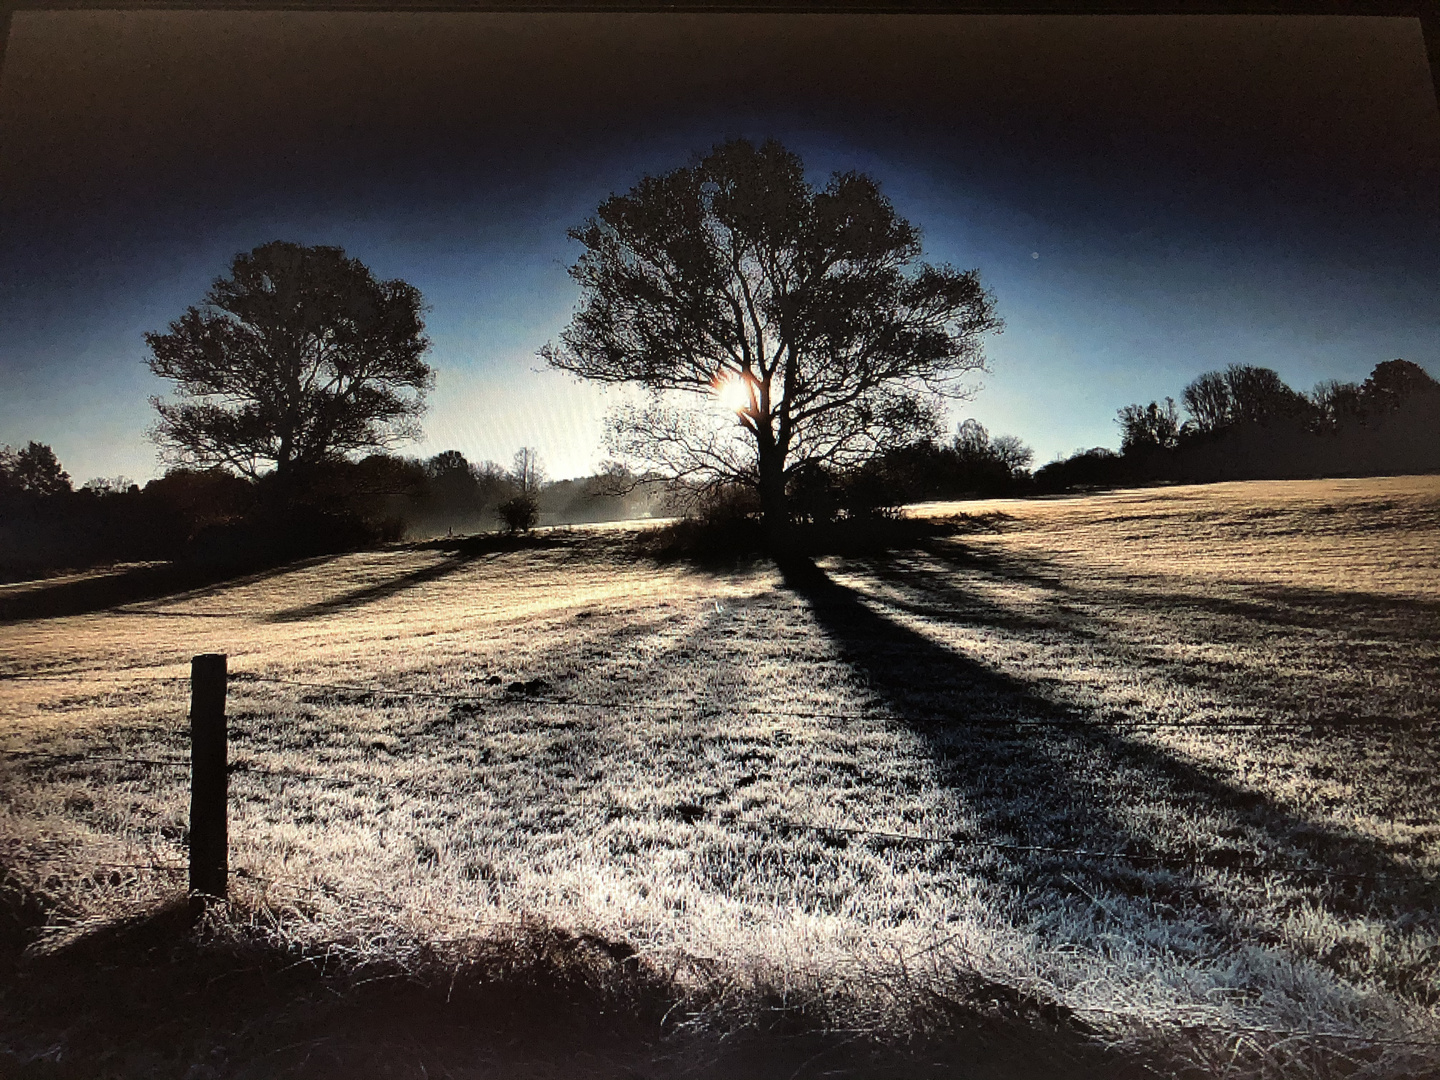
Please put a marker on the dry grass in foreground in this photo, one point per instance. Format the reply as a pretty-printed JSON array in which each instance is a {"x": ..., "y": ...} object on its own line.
[{"x": 1150, "y": 769}]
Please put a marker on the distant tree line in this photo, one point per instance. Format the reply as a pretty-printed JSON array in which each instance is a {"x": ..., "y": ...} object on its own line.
[
  {"x": 1245, "y": 423},
  {"x": 293, "y": 380},
  {"x": 973, "y": 464},
  {"x": 216, "y": 518}
]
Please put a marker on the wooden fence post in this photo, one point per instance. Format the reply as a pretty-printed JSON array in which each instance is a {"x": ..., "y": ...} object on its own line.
[{"x": 209, "y": 779}]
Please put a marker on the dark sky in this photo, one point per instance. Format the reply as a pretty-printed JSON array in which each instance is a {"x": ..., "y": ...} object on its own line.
[{"x": 1148, "y": 197}]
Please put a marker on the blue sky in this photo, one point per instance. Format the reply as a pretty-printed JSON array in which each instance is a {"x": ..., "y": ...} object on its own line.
[{"x": 1148, "y": 198}]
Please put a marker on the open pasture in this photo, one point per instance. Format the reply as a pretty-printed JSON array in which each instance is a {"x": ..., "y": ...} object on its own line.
[{"x": 1139, "y": 759}]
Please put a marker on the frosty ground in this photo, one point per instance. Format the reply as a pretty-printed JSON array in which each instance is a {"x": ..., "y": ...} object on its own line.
[{"x": 1150, "y": 770}]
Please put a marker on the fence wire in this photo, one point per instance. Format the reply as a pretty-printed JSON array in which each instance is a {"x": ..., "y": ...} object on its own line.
[{"x": 504, "y": 699}]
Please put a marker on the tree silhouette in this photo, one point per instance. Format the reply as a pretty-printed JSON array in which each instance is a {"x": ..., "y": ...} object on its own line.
[
  {"x": 1207, "y": 400},
  {"x": 33, "y": 469},
  {"x": 299, "y": 357},
  {"x": 1011, "y": 452},
  {"x": 1150, "y": 426},
  {"x": 1336, "y": 404},
  {"x": 527, "y": 472},
  {"x": 521, "y": 511},
  {"x": 804, "y": 311},
  {"x": 1259, "y": 396},
  {"x": 1394, "y": 384}
]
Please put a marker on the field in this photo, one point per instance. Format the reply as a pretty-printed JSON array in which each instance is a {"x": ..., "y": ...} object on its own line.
[{"x": 1149, "y": 773}]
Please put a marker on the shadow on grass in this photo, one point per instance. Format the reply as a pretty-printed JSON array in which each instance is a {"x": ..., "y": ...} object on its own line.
[
  {"x": 941, "y": 587},
  {"x": 103, "y": 590},
  {"x": 738, "y": 543},
  {"x": 152, "y": 996},
  {"x": 495, "y": 543},
  {"x": 370, "y": 594},
  {"x": 1067, "y": 779},
  {"x": 464, "y": 551}
]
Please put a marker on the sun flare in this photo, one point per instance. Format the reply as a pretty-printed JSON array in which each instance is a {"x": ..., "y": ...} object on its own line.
[{"x": 732, "y": 392}]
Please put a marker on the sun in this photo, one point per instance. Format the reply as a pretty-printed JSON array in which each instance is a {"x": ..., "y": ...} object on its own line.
[{"x": 732, "y": 391}]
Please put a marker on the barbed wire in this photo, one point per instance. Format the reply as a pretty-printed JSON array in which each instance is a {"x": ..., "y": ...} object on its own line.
[
  {"x": 523, "y": 697},
  {"x": 878, "y": 712},
  {"x": 83, "y": 676}
]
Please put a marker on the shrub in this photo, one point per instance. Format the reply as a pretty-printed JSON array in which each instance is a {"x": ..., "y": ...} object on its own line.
[{"x": 519, "y": 513}]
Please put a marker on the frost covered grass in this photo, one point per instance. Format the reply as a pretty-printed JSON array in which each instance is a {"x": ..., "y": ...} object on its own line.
[{"x": 1213, "y": 709}]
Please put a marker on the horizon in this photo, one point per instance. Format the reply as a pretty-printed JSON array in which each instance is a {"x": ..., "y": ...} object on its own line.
[{"x": 1147, "y": 197}]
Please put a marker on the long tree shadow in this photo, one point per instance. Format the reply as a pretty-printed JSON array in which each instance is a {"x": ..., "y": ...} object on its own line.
[
  {"x": 380, "y": 590},
  {"x": 1334, "y": 633},
  {"x": 1032, "y": 770},
  {"x": 104, "y": 590},
  {"x": 462, "y": 551},
  {"x": 1272, "y": 604}
]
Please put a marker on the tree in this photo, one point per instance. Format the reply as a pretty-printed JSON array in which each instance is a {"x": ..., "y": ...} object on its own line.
[
  {"x": 1336, "y": 404},
  {"x": 1207, "y": 400},
  {"x": 1149, "y": 426},
  {"x": 447, "y": 463},
  {"x": 986, "y": 464},
  {"x": 1242, "y": 393},
  {"x": 521, "y": 511},
  {"x": 110, "y": 486},
  {"x": 452, "y": 486},
  {"x": 804, "y": 311},
  {"x": 527, "y": 472},
  {"x": 974, "y": 445},
  {"x": 33, "y": 469},
  {"x": 972, "y": 441},
  {"x": 1097, "y": 467},
  {"x": 1010, "y": 451},
  {"x": 299, "y": 357},
  {"x": 491, "y": 481},
  {"x": 1396, "y": 383},
  {"x": 1259, "y": 396}
]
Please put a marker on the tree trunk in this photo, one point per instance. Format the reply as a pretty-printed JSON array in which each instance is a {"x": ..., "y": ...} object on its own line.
[{"x": 774, "y": 511}]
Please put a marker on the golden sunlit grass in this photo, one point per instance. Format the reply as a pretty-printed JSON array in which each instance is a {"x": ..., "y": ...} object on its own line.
[{"x": 1235, "y": 684}]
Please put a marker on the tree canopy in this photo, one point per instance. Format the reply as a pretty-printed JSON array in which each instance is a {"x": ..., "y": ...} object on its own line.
[
  {"x": 1241, "y": 394},
  {"x": 33, "y": 469},
  {"x": 299, "y": 357},
  {"x": 1246, "y": 423},
  {"x": 804, "y": 315},
  {"x": 1146, "y": 426}
]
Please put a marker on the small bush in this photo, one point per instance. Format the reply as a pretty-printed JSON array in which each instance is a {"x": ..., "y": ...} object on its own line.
[{"x": 519, "y": 513}]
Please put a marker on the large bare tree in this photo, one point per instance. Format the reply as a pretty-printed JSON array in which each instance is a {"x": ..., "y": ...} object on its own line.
[
  {"x": 803, "y": 315},
  {"x": 300, "y": 356}
]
